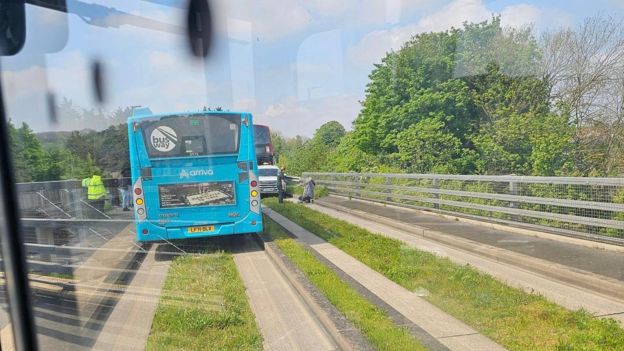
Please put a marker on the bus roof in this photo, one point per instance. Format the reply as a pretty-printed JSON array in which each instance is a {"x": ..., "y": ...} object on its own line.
[{"x": 139, "y": 113}]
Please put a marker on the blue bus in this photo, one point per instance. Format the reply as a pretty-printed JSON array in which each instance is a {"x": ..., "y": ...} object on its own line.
[{"x": 193, "y": 174}]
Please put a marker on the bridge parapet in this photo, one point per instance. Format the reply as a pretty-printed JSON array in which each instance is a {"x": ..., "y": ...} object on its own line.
[
  {"x": 62, "y": 199},
  {"x": 591, "y": 208}
]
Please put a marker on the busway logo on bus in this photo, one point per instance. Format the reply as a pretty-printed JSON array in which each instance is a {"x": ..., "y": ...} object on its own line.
[
  {"x": 195, "y": 172},
  {"x": 164, "y": 139}
]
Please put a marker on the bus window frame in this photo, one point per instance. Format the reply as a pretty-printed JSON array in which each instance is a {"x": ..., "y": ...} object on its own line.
[
  {"x": 18, "y": 292},
  {"x": 140, "y": 129}
]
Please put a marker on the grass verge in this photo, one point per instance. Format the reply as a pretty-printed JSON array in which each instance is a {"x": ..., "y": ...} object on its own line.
[
  {"x": 297, "y": 190},
  {"x": 203, "y": 306},
  {"x": 511, "y": 317},
  {"x": 376, "y": 326}
]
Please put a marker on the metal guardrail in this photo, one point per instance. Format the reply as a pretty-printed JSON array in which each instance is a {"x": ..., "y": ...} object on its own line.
[
  {"x": 579, "y": 206},
  {"x": 63, "y": 198},
  {"x": 49, "y": 256}
]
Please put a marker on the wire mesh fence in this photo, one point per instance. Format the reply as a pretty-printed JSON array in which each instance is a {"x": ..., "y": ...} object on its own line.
[{"x": 579, "y": 206}]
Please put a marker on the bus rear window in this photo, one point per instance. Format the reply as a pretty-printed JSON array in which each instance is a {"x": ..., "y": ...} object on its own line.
[{"x": 194, "y": 135}]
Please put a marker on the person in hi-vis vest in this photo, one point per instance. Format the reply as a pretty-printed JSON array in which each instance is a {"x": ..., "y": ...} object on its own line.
[{"x": 96, "y": 192}]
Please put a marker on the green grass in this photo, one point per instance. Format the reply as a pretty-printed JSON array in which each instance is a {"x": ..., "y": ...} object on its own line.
[
  {"x": 203, "y": 306},
  {"x": 296, "y": 190},
  {"x": 509, "y": 316},
  {"x": 376, "y": 326},
  {"x": 67, "y": 276}
]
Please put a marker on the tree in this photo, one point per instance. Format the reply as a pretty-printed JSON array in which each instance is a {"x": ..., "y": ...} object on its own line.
[
  {"x": 28, "y": 154},
  {"x": 585, "y": 70},
  {"x": 427, "y": 147},
  {"x": 459, "y": 101},
  {"x": 329, "y": 134}
]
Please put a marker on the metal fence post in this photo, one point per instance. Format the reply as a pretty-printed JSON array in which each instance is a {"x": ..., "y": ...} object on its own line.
[
  {"x": 513, "y": 190},
  {"x": 436, "y": 185},
  {"x": 66, "y": 199},
  {"x": 388, "y": 190},
  {"x": 76, "y": 196},
  {"x": 45, "y": 236}
]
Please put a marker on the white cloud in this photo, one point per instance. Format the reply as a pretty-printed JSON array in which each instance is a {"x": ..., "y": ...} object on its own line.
[
  {"x": 454, "y": 14},
  {"x": 520, "y": 15},
  {"x": 270, "y": 19},
  {"x": 275, "y": 19},
  {"x": 161, "y": 60},
  {"x": 24, "y": 83},
  {"x": 330, "y": 8},
  {"x": 27, "y": 89},
  {"x": 362, "y": 13},
  {"x": 182, "y": 94},
  {"x": 69, "y": 74},
  {"x": 373, "y": 46},
  {"x": 294, "y": 117},
  {"x": 244, "y": 104}
]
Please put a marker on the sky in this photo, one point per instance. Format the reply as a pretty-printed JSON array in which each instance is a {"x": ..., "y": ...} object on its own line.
[{"x": 294, "y": 64}]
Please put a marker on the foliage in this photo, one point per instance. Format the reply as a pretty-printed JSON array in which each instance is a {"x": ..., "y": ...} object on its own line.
[
  {"x": 77, "y": 154},
  {"x": 466, "y": 100},
  {"x": 297, "y": 155},
  {"x": 31, "y": 161},
  {"x": 329, "y": 134},
  {"x": 425, "y": 146}
]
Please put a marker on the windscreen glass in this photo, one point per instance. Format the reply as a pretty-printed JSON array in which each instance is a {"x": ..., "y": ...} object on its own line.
[
  {"x": 466, "y": 156},
  {"x": 267, "y": 172}
]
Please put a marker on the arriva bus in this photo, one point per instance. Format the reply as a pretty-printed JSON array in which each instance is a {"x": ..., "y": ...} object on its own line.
[{"x": 193, "y": 174}]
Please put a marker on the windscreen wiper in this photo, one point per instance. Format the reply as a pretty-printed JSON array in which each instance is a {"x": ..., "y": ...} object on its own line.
[
  {"x": 171, "y": 3},
  {"x": 106, "y": 17}
]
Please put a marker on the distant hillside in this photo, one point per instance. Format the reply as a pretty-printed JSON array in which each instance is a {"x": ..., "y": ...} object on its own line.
[{"x": 50, "y": 139}]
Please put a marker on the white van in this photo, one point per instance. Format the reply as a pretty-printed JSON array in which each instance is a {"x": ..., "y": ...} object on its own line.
[{"x": 268, "y": 176}]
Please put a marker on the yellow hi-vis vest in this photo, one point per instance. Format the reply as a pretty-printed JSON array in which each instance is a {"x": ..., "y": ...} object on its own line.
[{"x": 95, "y": 187}]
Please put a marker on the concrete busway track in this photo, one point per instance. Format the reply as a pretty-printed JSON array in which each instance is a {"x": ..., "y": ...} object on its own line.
[
  {"x": 287, "y": 316},
  {"x": 71, "y": 313},
  {"x": 447, "y": 332},
  {"x": 568, "y": 286}
]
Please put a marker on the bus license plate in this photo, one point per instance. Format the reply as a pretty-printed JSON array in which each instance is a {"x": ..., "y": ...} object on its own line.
[{"x": 201, "y": 229}]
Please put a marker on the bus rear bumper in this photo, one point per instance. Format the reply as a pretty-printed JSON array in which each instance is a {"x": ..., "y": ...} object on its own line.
[{"x": 252, "y": 223}]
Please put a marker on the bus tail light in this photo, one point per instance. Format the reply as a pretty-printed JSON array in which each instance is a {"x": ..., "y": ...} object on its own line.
[
  {"x": 139, "y": 200},
  {"x": 254, "y": 193}
]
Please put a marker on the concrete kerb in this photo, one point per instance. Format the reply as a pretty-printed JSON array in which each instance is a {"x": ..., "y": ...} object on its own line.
[
  {"x": 586, "y": 280},
  {"x": 427, "y": 340},
  {"x": 128, "y": 326},
  {"x": 484, "y": 223},
  {"x": 344, "y": 334},
  {"x": 450, "y": 332}
]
